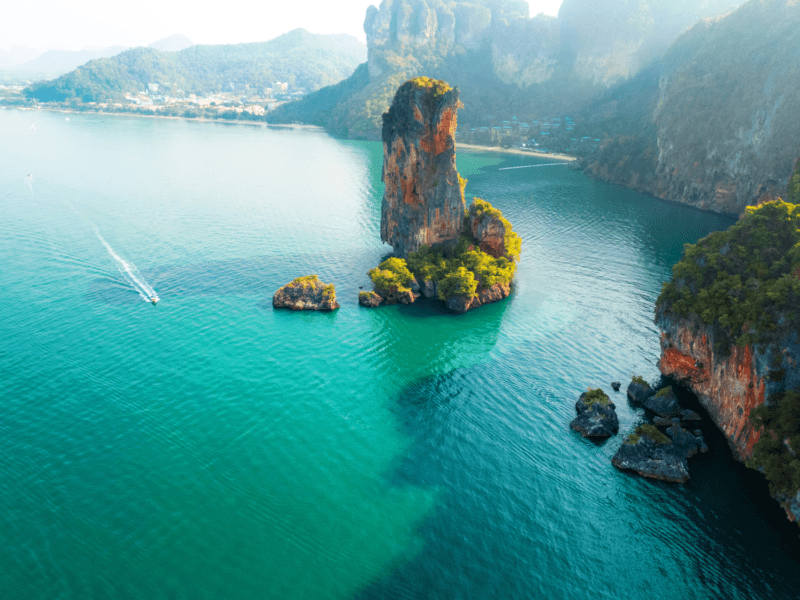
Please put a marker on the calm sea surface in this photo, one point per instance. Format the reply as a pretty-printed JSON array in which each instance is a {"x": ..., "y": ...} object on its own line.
[{"x": 210, "y": 447}]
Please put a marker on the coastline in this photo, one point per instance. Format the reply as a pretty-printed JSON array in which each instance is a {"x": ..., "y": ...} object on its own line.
[
  {"x": 478, "y": 148},
  {"x": 462, "y": 146},
  {"x": 156, "y": 116}
]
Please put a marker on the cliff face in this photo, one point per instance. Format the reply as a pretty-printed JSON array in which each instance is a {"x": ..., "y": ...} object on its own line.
[
  {"x": 503, "y": 61},
  {"x": 721, "y": 117},
  {"x": 729, "y": 386},
  {"x": 423, "y": 203},
  {"x": 730, "y": 332},
  {"x": 731, "y": 382}
]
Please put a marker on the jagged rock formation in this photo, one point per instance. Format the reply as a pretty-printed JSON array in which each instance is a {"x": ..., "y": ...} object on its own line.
[
  {"x": 714, "y": 123},
  {"x": 466, "y": 259},
  {"x": 597, "y": 415},
  {"x": 650, "y": 453},
  {"x": 730, "y": 327},
  {"x": 423, "y": 202},
  {"x": 306, "y": 293},
  {"x": 502, "y": 60},
  {"x": 461, "y": 303}
]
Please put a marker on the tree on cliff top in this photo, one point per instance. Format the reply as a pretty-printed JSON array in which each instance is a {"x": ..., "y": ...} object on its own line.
[
  {"x": 793, "y": 193},
  {"x": 745, "y": 279}
]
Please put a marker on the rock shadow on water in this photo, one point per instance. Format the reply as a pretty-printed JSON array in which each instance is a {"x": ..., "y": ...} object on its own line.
[
  {"x": 719, "y": 465},
  {"x": 498, "y": 528},
  {"x": 430, "y": 307}
]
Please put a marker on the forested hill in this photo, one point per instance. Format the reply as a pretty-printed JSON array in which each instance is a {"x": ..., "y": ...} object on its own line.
[{"x": 300, "y": 58}]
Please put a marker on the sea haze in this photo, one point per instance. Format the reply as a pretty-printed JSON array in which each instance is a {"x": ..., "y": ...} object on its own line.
[{"x": 210, "y": 447}]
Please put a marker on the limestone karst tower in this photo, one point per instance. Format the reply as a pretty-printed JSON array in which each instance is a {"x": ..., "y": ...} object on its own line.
[{"x": 423, "y": 202}]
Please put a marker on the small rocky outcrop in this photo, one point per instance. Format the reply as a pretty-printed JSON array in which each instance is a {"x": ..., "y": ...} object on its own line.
[
  {"x": 373, "y": 299},
  {"x": 664, "y": 403},
  {"x": 653, "y": 454},
  {"x": 427, "y": 287},
  {"x": 462, "y": 303},
  {"x": 392, "y": 283},
  {"x": 616, "y": 385},
  {"x": 369, "y": 299},
  {"x": 492, "y": 231},
  {"x": 597, "y": 415},
  {"x": 306, "y": 293},
  {"x": 639, "y": 390},
  {"x": 423, "y": 201}
]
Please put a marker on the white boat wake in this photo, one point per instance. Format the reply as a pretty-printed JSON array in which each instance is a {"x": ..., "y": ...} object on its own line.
[
  {"x": 532, "y": 166},
  {"x": 130, "y": 273}
]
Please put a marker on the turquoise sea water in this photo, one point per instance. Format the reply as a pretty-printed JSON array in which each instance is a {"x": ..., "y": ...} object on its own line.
[{"x": 210, "y": 447}]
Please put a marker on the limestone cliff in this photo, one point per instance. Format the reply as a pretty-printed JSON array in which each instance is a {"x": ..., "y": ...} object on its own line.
[
  {"x": 715, "y": 122},
  {"x": 503, "y": 61},
  {"x": 730, "y": 329},
  {"x": 464, "y": 258},
  {"x": 423, "y": 203}
]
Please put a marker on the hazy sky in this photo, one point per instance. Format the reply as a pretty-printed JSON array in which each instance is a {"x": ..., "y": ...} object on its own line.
[{"x": 73, "y": 24}]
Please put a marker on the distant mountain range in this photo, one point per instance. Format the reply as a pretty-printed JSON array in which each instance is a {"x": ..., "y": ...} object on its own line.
[
  {"x": 299, "y": 58},
  {"x": 172, "y": 43},
  {"x": 56, "y": 62},
  {"x": 53, "y": 63},
  {"x": 502, "y": 61}
]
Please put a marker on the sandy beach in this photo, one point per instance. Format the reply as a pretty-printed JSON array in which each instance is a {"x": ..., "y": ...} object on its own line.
[{"x": 477, "y": 148}]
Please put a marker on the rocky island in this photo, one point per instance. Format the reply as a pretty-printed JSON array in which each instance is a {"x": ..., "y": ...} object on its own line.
[
  {"x": 597, "y": 415},
  {"x": 464, "y": 258},
  {"x": 306, "y": 293},
  {"x": 729, "y": 321}
]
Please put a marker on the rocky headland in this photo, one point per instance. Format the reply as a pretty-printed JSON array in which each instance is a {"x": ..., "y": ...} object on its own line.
[
  {"x": 306, "y": 293},
  {"x": 729, "y": 321},
  {"x": 466, "y": 258}
]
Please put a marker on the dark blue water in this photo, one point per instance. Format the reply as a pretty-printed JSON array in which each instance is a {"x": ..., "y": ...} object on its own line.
[{"x": 211, "y": 447}]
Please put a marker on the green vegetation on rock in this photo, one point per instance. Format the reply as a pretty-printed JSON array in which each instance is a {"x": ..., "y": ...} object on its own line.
[
  {"x": 460, "y": 282},
  {"x": 439, "y": 87},
  {"x": 597, "y": 396},
  {"x": 777, "y": 453},
  {"x": 649, "y": 431},
  {"x": 793, "y": 193},
  {"x": 392, "y": 275},
  {"x": 440, "y": 264},
  {"x": 639, "y": 380},
  {"x": 745, "y": 279},
  {"x": 663, "y": 391},
  {"x": 306, "y": 279},
  {"x": 511, "y": 240}
]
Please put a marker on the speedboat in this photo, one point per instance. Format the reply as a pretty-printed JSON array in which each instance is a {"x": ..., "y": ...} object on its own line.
[{"x": 154, "y": 299}]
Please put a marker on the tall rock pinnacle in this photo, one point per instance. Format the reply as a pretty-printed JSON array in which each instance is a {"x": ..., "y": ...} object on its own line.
[{"x": 423, "y": 203}]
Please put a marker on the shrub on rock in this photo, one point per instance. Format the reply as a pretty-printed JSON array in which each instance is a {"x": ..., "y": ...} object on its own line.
[{"x": 306, "y": 293}]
